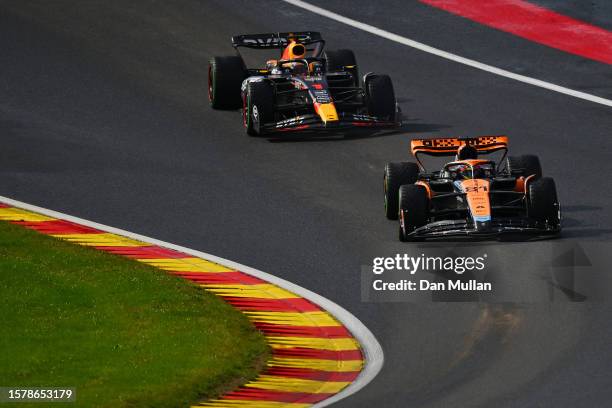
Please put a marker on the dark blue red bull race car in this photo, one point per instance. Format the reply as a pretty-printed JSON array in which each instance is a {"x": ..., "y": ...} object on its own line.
[{"x": 306, "y": 88}]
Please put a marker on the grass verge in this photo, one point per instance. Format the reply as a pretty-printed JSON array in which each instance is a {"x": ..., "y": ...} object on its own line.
[{"x": 122, "y": 333}]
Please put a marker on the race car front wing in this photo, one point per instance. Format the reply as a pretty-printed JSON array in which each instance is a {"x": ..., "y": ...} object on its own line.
[
  {"x": 313, "y": 122},
  {"x": 507, "y": 228}
]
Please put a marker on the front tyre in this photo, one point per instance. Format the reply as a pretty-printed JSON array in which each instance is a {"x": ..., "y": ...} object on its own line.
[
  {"x": 258, "y": 107},
  {"x": 396, "y": 175},
  {"x": 380, "y": 97},
  {"x": 225, "y": 76},
  {"x": 413, "y": 209},
  {"x": 542, "y": 202}
]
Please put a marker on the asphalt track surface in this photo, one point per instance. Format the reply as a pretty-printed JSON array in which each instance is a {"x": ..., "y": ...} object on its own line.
[{"x": 103, "y": 115}]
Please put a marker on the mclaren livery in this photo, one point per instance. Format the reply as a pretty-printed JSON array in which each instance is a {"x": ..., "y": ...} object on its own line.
[
  {"x": 471, "y": 196},
  {"x": 306, "y": 88}
]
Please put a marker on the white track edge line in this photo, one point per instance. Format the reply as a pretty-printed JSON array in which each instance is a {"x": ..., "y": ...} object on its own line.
[
  {"x": 447, "y": 55},
  {"x": 372, "y": 350}
]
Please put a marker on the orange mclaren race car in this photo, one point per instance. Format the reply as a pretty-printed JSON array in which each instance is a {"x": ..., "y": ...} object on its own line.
[
  {"x": 304, "y": 89},
  {"x": 471, "y": 196}
]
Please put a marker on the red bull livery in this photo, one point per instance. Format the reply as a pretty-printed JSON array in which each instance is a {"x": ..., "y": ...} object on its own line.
[{"x": 306, "y": 88}]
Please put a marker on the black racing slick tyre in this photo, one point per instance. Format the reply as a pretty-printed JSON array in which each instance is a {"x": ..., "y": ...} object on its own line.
[
  {"x": 414, "y": 209},
  {"x": 380, "y": 97},
  {"x": 342, "y": 60},
  {"x": 258, "y": 107},
  {"x": 524, "y": 165},
  {"x": 396, "y": 175},
  {"x": 542, "y": 202},
  {"x": 225, "y": 76}
]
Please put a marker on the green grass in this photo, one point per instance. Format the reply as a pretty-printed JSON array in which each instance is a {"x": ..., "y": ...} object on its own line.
[{"x": 122, "y": 333}]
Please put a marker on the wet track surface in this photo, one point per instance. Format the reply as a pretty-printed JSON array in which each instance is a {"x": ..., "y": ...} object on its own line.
[{"x": 103, "y": 115}]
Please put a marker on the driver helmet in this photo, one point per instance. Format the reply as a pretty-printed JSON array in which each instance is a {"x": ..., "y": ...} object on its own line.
[
  {"x": 294, "y": 50},
  {"x": 466, "y": 152}
]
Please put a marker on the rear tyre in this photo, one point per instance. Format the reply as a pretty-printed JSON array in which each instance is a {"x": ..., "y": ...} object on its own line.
[
  {"x": 542, "y": 202},
  {"x": 380, "y": 97},
  {"x": 524, "y": 165},
  {"x": 396, "y": 175},
  {"x": 225, "y": 76},
  {"x": 339, "y": 60},
  {"x": 413, "y": 208},
  {"x": 258, "y": 107}
]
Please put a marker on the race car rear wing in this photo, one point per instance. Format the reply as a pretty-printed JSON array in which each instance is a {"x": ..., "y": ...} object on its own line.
[
  {"x": 275, "y": 40},
  {"x": 280, "y": 40},
  {"x": 449, "y": 146}
]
